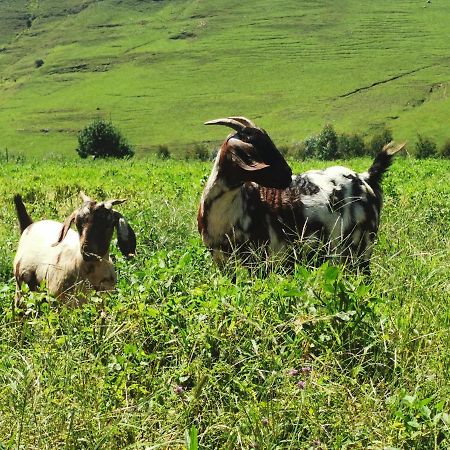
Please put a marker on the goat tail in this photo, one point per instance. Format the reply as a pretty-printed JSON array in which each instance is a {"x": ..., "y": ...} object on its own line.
[
  {"x": 382, "y": 163},
  {"x": 24, "y": 219}
]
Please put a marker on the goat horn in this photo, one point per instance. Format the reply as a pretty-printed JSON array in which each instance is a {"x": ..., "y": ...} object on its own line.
[
  {"x": 84, "y": 197},
  {"x": 244, "y": 121},
  {"x": 232, "y": 123},
  {"x": 391, "y": 149},
  {"x": 110, "y": 203}
]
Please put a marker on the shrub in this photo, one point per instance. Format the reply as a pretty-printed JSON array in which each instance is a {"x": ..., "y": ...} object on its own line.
[
  {"x": 29, "y": 21},
  {"x": 327, "y": 143},
  {"x": 425, "y": 148},
  {"x": 379, "y": 140},
  {"x": 284, "y": 150},
  {"x": 199, "y": 151},
  {"x": 214, "y": 152},
  {"x": 445, "y": 150},
  {"x": 298, "y": 150},
  {"x": 163, "y": 152},
  {"x": 322, "y": 146},
  {"x": 351, "y": 145},
  {"x": 309, "y": 149},
  {"x": 101, "y": 139}
]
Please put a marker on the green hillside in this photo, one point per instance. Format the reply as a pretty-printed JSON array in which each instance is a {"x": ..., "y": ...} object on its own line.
[{"x": 159, "y": 69}]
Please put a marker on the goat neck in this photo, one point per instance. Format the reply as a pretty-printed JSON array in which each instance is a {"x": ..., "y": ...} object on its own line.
[{"x": 221, "y": 193}]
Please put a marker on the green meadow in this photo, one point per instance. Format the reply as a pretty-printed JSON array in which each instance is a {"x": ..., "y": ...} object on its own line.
[
  {"x": 182, "y": 355},
  {"x": 159, "y": 69}
]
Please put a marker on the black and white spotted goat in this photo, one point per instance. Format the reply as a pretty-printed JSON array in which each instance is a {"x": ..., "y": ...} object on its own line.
[
  {"x": 252, "y": 201},
  {"x": 71, "y": 262}
]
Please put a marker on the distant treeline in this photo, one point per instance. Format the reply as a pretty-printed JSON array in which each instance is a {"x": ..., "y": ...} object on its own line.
[
  {"x": 102, "y": 139},
  {"x": 330, "y": 145}
]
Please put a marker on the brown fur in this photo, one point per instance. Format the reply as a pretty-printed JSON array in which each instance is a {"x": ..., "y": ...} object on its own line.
[{"x": 24, "y": 219}]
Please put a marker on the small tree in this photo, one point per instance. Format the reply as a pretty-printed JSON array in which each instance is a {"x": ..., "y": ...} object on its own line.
[
  {"x": 284, "y": 150},
  {"x": 163, "y": 152},
  {"x": 322, "y": 146},
  {"x": 379, "y": 141},
  {"x": 199, "y": 151},
  {"x": 327, "y": 143},
  {"x": 425, "y": 148},
  {"x": 309, "y": 148},
  {"x": 101, "y": 139},
  {"x": 351, "y": 145},
  {"x": 445, "y": 150}
]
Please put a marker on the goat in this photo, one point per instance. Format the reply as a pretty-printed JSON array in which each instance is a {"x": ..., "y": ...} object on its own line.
[
  {"x": 66, "y": 260},
  {"x": 252, "y": 201}
]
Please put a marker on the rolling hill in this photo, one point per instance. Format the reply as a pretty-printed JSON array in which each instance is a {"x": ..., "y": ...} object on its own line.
[{"x": 159, "y": 69}]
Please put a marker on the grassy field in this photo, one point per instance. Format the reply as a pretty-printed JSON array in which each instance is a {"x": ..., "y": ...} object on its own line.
[
  {"x": 160, "y": 69},
  {"x": 315, "y": 359},
  {"x": 181, "y": 356}
]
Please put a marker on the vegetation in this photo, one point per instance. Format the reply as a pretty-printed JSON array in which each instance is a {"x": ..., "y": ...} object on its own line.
[
  {"x": 425, "y": 148},
  {"x": 101, "y": 139},
  {"x": 322, "y": 146},
  {"x": 445, "y": 151},
  {"x": 199, "y": 152},
  {"x": 158, "y": 90},
  {"x": 351, "y": 146},
  {"x": 181, "y": 356},
  {"x": 379, "y": 140},
  {"x": 163, "y": 152}
]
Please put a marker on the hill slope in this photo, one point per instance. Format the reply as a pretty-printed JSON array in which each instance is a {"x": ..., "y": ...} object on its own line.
[{"x": 159, "y": 69}]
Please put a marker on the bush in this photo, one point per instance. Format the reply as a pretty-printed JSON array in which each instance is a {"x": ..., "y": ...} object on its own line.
[
  {"x": 213, "y": 153},
  {"x": 350, "y": 146},
  {"x": 327, "y": 143},
  {"x": 200, "y": 151},
  {"x": 445, "y": 150},
  {"x": 425, "y": 148},
  {"x": 322, "y": 146},
  {"x": 163, "y": 152},
  {"x": 284, "y": 150},
  {"x": 101, "y": 139},
  {"x": 298, "y": 150},
  {"x": 379, "y": 141}
]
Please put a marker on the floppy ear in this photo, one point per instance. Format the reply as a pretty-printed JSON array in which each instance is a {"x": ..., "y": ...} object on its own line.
[
  {"x": 243, "y": 158},
  {"x": 126, "y": 237},
  {"x": 65, "y": 228}
]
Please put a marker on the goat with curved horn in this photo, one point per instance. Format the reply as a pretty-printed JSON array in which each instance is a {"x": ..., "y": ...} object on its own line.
[{"x": 252, "y": 201}]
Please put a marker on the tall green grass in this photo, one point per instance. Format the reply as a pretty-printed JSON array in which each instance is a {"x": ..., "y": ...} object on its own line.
[{"x": 180, "y": 356}]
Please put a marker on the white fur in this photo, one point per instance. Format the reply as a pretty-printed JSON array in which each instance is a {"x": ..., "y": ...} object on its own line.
[{"x": 62, "y": 268}]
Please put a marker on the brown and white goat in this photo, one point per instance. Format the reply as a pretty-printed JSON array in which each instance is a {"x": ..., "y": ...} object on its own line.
[
  {"x": 252, "y": 201},
  {"x": 71, "y": 262}
]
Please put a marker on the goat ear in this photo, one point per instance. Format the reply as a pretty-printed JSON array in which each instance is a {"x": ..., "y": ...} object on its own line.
[
  {"x": 65, "y": 228},
  {"x": 245, "y": 161},
  {"x": 126, "y": 237}
]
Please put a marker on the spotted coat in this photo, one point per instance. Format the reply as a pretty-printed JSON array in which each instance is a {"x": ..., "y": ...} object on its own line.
[{"x": 320, "y": 213}]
